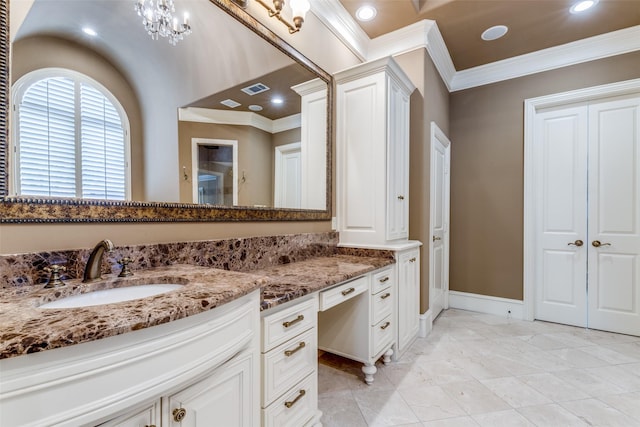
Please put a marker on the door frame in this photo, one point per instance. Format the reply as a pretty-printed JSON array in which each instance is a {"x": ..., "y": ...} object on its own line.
[
  {"x": 437, "y": 133},
  {"x": 531, "y": 108},
  {"x": 195, "y": 142}
]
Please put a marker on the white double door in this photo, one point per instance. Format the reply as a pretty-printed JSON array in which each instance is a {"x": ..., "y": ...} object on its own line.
[{"x": 587, "y": 184}]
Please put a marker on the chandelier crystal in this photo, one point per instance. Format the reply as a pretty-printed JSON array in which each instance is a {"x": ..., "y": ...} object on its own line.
[{"x": 158, "y": 20}]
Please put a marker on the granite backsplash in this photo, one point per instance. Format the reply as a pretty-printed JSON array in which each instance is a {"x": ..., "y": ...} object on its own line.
[{"x": 236, "y": 254}]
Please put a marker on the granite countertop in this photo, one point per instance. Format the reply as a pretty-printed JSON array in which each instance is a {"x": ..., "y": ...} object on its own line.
[
  {"x": 26, "y": 328},
  {"x": 286, "y": 282}
]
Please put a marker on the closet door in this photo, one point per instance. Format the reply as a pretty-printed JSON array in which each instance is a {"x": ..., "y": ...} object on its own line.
[
  {"x": 614, "y": 216},
  {"x": 561, "y": 215}
]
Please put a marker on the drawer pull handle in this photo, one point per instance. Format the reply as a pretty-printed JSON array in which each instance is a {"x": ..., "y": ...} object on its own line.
[
  {"x": 300, "y": 318},
  {"x": 179, "y": 414},
  {"x": 295, "y": 350},
  {"x": 385, "y": 296},
  {"x": 384, "y": 279},
  {"x": 412, "y": 259},
  {"x": 348, "y": 291},
  {"x": 290, "y": 403},
  {"x": 385, "y": 326}
]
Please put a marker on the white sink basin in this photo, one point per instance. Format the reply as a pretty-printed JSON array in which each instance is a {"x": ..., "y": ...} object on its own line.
[{"x": 109, "y": 296}]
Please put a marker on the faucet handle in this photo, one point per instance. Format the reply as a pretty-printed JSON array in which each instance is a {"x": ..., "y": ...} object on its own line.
[
  {"x": 125, "y": 272},
  {"x": 54, "y": 280}
]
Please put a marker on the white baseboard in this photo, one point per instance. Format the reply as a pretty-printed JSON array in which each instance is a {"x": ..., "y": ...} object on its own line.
[
  {"x": 426, "y": 324},
  {"x": 486, "y": 304}
]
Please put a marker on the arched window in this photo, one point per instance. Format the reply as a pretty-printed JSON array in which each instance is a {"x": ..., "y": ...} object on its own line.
[{"x": 71, "y": 138}]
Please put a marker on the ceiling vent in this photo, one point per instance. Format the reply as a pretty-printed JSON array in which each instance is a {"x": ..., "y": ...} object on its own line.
[
  {"x": 230, "y": 103},
  {"x": 255, "y": 89}
]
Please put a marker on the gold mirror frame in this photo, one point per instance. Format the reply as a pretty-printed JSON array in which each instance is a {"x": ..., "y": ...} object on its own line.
[{"x": 43, "y": 210}]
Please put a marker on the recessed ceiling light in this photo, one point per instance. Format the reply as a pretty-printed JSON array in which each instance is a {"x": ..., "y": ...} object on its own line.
[
  {"x": 583, "y": 5},
  {"x": 277, "y": 101},
  {"x": 254, "y": 107},
  {"x": 90, "y": 31},
  {"x": 494, "y": 32},
  {"x": 366, "y": 13}
]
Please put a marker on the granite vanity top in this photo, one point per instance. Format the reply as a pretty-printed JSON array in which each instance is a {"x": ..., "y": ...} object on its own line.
[
  {"x": 26, "y": 328},
  {"x": 286, "y": 282}
]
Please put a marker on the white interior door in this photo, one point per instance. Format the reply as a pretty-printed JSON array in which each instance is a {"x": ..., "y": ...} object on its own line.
[
  {"x": 288, "y": 176},
  {"x": 587, "y": 187},
  {"x": 561, "y": 216},
  {"x": 439, "y": 221},
  {"x": 614, "y": 215}
]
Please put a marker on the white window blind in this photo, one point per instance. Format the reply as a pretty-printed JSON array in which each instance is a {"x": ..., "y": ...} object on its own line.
[{"x": 71, "y": 142}]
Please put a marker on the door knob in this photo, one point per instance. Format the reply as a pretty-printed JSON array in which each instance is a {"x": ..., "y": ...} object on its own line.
[
  {"x": 576, "y": 243},
  {"x": 597, "y": 244}
]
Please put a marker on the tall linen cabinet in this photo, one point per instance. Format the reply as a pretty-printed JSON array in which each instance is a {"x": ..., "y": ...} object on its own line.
[{"x": 372, "y": 190}]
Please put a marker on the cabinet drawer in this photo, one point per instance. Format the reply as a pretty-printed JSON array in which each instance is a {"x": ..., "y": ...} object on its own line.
[
  {"x": 346, "y": 291},
  {"x": 296, "y": 407},
  {"x": 381, "y": 305},
  {"x": 287, "y": 364},
  {"x": 382, "y": 280},
  {"x": 286, "y": 324},
  {"x": 381, "y": 335}
]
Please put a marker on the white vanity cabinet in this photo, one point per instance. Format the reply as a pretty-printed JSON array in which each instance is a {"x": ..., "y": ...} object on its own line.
[
  {"x": 362, "y": 326},
  {"x": 408, "y": 262},
  {"x": 372, "y": 153},
  {"x": 206, "y": 365},
  {"x": 290, "y": 365}
]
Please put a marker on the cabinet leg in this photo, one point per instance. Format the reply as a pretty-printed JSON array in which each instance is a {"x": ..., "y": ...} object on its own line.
[
  {"x": 386, "y": 358},
  {"x": 369, "y": 370}
]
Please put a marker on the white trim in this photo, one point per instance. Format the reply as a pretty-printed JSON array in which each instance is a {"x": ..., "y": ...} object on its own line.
[
  {"x": 585, "y": 50},
  {"x": 531, "y": 107},
  {"x": 239, "y": 118},
  {"x": 425, "y": 34},
  {"x": 486, "y": 304},
  {"x": 426, "y": 324},
  {"x": 195, "y": 142}
]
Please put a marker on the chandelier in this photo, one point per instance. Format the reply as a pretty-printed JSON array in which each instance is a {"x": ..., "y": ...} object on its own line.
[{"x": 158, "y": 20}]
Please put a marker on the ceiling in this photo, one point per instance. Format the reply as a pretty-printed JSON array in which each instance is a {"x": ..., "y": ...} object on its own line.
[{"x": 533, "y": 24}]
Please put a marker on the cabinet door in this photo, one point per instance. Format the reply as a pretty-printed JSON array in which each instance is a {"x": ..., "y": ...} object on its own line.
[
  {"x": 408, "y": 298},
  {"x": 149, "y": 416},
  {"x": 225, "y": 398},
  {"x": 397, "y": 226}
]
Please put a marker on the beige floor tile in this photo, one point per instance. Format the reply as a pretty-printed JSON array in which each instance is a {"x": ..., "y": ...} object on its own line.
[
  {"x": 551, "y": 415},
  {"x": 474, "y": 397},
  {"x": 553, "y": 387},
  {"x": 588, "y": 383},
  {"x": 515, "y": 392},
  {"x": 452, "y": 422},
  {"x": 431, "y": 403},
  {"x": 597, "y": 413},
  {"x": 618, "y": 376},
  {"x": 509, "y": 418},
  {"x": 627, "y": 403},
  {"x": 578, "y": 358},
  {"x": 339, "y": 409},
  {"x": 384, "y": 408}
]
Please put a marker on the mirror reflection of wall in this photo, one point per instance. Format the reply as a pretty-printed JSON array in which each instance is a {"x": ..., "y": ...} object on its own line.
[{"x": 152, "y": 79}]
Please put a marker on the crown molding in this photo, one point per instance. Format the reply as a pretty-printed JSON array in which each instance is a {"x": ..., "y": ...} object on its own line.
[
  {"x": 335, "y": 17},
  {"x": 589, "y": 49},
  {"x": 425, "y": 34},
  {"x": 238, "y": 118}
]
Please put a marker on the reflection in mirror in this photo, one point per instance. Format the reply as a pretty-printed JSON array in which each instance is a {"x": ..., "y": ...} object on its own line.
[{"x": 174, "y": 96}]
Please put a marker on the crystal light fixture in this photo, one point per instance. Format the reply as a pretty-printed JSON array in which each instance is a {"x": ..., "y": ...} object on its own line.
[
  {"x": 158, "y": 20},
  {"x": 299, "y": 9}
]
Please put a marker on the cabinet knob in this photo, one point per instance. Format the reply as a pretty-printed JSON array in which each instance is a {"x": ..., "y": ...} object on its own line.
[
  {"x": 385, "y": 326},
  {"x": 179, "y": 414},
  {"x": 384, "y": 279},
  {"x": 150, "y": 425},
  {"x": 400, "y": 197},
  {"x": 385, "y": 296},
  {"x": 436, "y": 238},
  {"x": 412, "y": 260}
]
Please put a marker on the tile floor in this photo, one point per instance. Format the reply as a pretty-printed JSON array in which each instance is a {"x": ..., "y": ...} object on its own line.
[{"x": 480, "y": 370}]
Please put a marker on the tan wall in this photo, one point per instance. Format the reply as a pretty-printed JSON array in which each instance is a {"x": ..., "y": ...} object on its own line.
[
  {"x": 35, "y": 53},
  {"x": 429, "y": 102},
  {"x": 487, "y": 128},
  {"x": 254, "y": 160}
]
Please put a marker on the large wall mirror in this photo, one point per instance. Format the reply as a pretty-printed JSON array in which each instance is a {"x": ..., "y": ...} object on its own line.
[{"x": 230, "y": 123}]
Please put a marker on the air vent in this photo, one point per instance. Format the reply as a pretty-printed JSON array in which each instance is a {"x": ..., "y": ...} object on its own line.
[
  {"x": 230, "y": 103},
  {"x": 255, "y": 88}
]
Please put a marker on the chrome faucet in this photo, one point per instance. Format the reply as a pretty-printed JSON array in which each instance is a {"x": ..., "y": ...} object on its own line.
[{"x": 93, "y": 268}]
